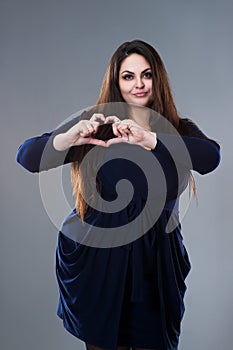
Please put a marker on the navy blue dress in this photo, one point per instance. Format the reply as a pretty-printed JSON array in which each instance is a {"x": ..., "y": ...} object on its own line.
[{"x": 128, "y": 294}]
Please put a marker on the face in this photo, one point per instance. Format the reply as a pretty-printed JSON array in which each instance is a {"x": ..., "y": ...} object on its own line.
[{"x": 135, "y": 80}]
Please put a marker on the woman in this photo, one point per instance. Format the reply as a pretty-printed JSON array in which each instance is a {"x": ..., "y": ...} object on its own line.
[{"x": 125, "y": 290}]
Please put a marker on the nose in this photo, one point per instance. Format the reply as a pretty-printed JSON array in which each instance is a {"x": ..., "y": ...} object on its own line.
[{"x": 139, "y": 83}]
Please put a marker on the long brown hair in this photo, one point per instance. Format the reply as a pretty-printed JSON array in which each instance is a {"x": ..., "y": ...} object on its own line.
[
  {"x": 163, "y": 104},
  {"x": 162, "y": 97}
]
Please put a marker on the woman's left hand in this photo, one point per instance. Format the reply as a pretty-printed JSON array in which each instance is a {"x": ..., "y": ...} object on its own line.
[{"x": 129, "y": 131}]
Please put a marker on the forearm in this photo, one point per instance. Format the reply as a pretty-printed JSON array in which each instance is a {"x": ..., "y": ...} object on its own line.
[
  {"x": 193, "y": 153},
  {"x": 38, "y": 154},
  {"x": 42, "y": 152},
  {"x": 61, "y": 143}
]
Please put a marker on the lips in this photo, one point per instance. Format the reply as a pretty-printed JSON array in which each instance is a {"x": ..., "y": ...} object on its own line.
[{"x": 140, "y": 94}]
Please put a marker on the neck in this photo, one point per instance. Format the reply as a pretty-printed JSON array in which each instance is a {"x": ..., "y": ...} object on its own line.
[{"x": 140, "y": 115}]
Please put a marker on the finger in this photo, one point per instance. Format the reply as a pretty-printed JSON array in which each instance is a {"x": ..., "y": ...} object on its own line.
[
  {"x": 91, "y": 126},
  {"x": 127, "y": 121},
  {"x": 97, "y": 142},
  {"x": 115, "y": 130},
  {"x": 112, "y": 119},
  {"x": 95, "y": 126},
  {"x": 131, "y": 123},
  {"x": 116, "y": 140},
  {"x": 89, "y": 141},
  {"x": 124, "y": 130},
  {"x": 97, "y": 116},
  {"x": 85, "y": 132}
]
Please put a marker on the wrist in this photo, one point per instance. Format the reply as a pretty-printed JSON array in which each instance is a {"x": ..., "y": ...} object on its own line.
[
  {"x": 60, "y": 142},
  {"x": 151, "y": 141}
]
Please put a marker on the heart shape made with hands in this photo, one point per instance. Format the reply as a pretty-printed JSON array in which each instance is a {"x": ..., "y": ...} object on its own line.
[
  {"x": 104, "y": 132},
  {"x": 109, "y": 133}
]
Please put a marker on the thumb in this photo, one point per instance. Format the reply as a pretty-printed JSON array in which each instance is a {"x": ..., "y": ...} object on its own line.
[{"x": 115, "y": 140}]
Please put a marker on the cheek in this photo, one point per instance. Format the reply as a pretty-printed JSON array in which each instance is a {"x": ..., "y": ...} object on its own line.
[
  {"x": 125, "y": 87},
  {"x": 149, "y": 84},
  {"x": 122, "y": 88}
]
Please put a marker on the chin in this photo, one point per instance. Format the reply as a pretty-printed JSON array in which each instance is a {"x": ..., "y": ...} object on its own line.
[
  {"x": 148, "y": 104},
  {"x": 141, "y": 103}
]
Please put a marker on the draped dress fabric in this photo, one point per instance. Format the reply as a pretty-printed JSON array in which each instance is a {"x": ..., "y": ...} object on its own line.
[{"x": 100, "y": 287}]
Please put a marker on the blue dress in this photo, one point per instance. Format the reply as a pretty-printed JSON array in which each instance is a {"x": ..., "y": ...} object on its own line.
[{"x": 132, "y": 293}]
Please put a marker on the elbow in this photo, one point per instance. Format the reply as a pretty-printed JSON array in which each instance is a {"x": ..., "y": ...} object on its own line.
[
  {"x": 212, "y": 160},
  {"x": 216, "y": 159},
  {"x": 26, "y": 161}
]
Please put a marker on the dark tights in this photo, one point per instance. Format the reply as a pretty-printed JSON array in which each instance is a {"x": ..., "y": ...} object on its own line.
[{"x": 93, "y": 347}]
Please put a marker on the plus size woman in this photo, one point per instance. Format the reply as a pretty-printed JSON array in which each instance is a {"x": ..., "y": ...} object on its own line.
[{"x": 121, "y": 273}]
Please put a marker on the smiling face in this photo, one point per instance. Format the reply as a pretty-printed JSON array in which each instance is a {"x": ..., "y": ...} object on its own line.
[{"x": 135, "y": 80}]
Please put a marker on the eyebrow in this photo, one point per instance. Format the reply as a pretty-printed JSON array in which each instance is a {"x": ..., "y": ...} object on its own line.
[{"x": 128, "y": 71}]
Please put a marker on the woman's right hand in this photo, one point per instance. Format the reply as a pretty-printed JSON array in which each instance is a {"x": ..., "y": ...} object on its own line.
[{"x": 80, "y": 134}]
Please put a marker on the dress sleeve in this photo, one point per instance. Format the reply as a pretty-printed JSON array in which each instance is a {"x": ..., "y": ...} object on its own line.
[
  {"x": 38, "y": 153},
  {"x": 194, "y": 152}
]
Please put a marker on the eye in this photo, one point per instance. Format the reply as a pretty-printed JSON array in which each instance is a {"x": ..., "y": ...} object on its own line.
[
  {"x": 127, "y": 76},
  {"x": 148, "y": 75}
]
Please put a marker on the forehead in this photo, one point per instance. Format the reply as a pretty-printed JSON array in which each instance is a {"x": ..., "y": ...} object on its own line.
[{"x": 134, "y": 62}]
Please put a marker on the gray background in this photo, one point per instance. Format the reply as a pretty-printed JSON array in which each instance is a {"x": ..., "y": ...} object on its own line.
[{"x": 53, "y": 58}]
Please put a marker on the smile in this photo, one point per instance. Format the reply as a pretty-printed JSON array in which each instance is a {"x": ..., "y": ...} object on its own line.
[{"x": 140, "y": 94}]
